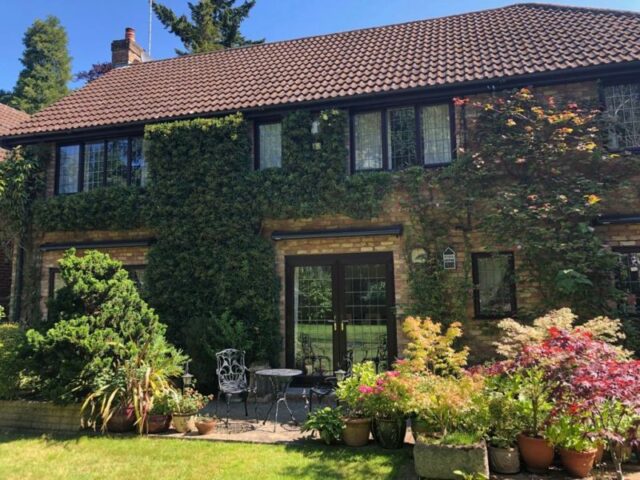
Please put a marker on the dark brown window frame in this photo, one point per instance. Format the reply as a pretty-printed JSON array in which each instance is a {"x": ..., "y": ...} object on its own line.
[
  {"x": 476, "y": 292},
  {"x": 81, "y": 166},
  {"x": 382, "y": 110},
  {"x": 256, "y": 138},
  {"x": 610, "y": 82},
  {"x": 334, "y": 260},
  {"x": 625, "y": 250}
]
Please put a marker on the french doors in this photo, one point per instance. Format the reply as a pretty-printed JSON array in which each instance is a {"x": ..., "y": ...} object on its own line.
[{"x": 339, "y": 310}]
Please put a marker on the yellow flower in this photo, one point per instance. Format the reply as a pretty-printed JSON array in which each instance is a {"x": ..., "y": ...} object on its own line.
[
  {"x": 511, "y": 123},
  {"x": 593, "y": 199}
]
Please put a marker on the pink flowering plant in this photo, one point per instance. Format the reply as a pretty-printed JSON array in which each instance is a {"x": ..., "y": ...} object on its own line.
[
  {"x": 387, "y": 398},
  {"x": 350, "y": 390}
]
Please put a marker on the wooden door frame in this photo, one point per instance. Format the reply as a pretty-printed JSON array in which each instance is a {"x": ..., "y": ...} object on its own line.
[{"x": 335, "y": 261}]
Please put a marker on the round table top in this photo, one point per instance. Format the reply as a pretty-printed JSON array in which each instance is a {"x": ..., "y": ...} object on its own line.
[{"x": 279, "y": 372}]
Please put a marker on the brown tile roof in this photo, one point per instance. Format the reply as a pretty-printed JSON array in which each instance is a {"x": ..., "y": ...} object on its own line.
[
  {"x": 9, "y": 118},
  {"x": 492, "y": 44}
]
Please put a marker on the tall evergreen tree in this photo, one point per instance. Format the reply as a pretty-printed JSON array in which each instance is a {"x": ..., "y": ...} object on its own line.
[
  {"x": 47, "y": 66},
  {"x": 214, "y": 25}
]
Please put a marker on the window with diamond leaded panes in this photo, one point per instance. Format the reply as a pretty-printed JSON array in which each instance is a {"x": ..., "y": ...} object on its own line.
[
  {"x": 399, "y": 137},
  {"x": 90, "y": 165},
  {"x": 623, "y": 108},
  {"x": 628, "y": 280},
  {"x": 401, "y": 129}
]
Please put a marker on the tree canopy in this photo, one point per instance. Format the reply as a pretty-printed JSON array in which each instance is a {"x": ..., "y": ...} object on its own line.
[
  {"x": 214, "y": 25},
  {"x": 47, "y": 66}
]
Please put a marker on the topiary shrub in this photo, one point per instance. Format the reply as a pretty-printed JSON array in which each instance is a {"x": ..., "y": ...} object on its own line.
[
  {"x": 99, "y": 328},
  {"x": 12, "y": 344}
]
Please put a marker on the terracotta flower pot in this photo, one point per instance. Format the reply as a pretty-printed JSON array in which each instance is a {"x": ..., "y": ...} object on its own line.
[
  {"x": 157, "y": 423},
  {"x": 184, "y": 423},
  {"x": 390, "y": 432},
  {"x": 418, "y": 428},
  {"x": 504, "y": 460},
  {"x": 122, "y": 420},
  {"x": 578, "y": 464},
  {"x": 206, "y": 426},
  {"x": 356, "y": 431},
  {"x": 536, "y": 452}
]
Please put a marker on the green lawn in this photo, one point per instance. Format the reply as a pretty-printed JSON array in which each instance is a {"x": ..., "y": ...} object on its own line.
[{"x": 97, "y": 457}]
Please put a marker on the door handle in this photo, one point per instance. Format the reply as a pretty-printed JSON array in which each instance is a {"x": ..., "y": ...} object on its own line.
[
  {"x": 343, "y": 323},
  {"x": 335, "y": 324}
]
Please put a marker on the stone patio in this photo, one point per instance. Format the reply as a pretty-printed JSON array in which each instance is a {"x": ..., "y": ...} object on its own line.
[{"x": 249, "y": 430}]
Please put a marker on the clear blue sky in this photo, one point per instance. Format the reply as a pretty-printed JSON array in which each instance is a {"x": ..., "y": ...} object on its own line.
[{"x": 92, "y": 24}]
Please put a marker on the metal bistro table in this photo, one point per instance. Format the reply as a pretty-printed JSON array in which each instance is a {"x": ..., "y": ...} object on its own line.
[{"x": 280, "y": 381}]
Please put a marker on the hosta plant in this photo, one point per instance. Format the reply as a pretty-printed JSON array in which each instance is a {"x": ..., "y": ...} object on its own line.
[{"x": 327, "y": 422}]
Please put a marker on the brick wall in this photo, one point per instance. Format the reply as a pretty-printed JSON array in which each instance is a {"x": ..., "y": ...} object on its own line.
[
  {"x": 136, "y": 255},
  {"x": 482, "y": 332},
  {"x": 40, "y": 416}
]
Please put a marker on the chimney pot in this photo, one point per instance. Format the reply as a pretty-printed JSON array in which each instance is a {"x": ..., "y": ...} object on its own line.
[{"x": 130, "y": 34}]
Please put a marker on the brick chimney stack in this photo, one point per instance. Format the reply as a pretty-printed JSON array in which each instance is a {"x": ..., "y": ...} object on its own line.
[{"x": 127, "y": 51}]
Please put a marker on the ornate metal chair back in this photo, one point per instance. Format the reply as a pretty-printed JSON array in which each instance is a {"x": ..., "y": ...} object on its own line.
[{"x": 231, "y": 369}]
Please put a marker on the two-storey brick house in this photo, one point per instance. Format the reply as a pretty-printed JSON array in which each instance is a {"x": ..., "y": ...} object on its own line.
[{"x": 397, "y": 84}]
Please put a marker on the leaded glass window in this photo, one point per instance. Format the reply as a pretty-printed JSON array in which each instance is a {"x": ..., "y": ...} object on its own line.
[
  {"x": 494, "y": 285},
  {"x": 401, "y": 129},
  {"x": 368, "y": 141},
  {"x": 436, "y": 134},
  {"x": 138, "y": 165},
  {"x": 270, "y": 145},
  {"x": 68, "y": 169},
  {"x": 628, "y": 281},
  {"x": 117, "y": 161},
  {"x": 623, "y": 107},
  {"x": 93, "y": 165}
]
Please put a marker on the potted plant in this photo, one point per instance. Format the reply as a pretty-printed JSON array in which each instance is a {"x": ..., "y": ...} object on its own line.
[
  {"x": 357, "y": 420},
  {"x": 504, "y": 426},
  {"x": 456, "y": 409},
  {"x": 205, "y": 424},
  {"x": 386, "y": 402},
  {"x": 577, "y": 449},
  {"x": 184, "y": 407},
  {"x": 159, "y": 415},
  {"x": 327, "y": 422},
  {"x": 534, "y": 407}
]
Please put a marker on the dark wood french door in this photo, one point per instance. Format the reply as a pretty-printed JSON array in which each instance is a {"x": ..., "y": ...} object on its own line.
[{"x": 339, "y": 309}]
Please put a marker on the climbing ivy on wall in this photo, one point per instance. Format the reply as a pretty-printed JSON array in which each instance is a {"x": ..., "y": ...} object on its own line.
[{"x": 211, "y": 275}]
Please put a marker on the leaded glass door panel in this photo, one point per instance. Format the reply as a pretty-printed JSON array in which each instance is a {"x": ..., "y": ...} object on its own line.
[
  {"x": 313, "y": 318},
  {"x": 339, "y": 308},
  {"x": 365, "y": 315}
]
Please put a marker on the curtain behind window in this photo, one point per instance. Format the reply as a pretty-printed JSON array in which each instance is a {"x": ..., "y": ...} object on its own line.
[
  {"x": 368, "y": 141},
  {"x": 270, "y": 142},
  {"x": 436, "y": 134}
]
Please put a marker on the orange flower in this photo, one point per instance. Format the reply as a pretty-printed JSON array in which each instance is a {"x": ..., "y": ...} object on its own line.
[{"x": 593, "y": 199}]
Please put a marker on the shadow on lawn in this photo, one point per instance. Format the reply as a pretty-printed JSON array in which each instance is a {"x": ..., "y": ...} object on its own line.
[{"x": 339, "y": 462}]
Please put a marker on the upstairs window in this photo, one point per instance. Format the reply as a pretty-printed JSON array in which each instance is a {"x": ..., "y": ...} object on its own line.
[
  {"x": 400, "y": 137},
  {"x": 94, "y": 164},
  {"x": 494, "y": 289},
  {"x": 623, "y": 107},
  {"x": 268, "y": 145},
  {"x": 68, "y": 168}
]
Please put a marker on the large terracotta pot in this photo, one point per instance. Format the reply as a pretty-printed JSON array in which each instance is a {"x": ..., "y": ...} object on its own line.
[
  {"x": 157, "y": 423},
  {"x": 418, "y": 428},
  {"x": 206, "y": 426},
  {"x": 536, "y": 452},
  {"x": 578, "y": 464},
  {"x": 356, "y": 431},
  {"x": 122, "y": 420},
  {"x": 184, "y": 423},
  {"x": 390, "y": 432},
  {"x": 504, "y": 460}
]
